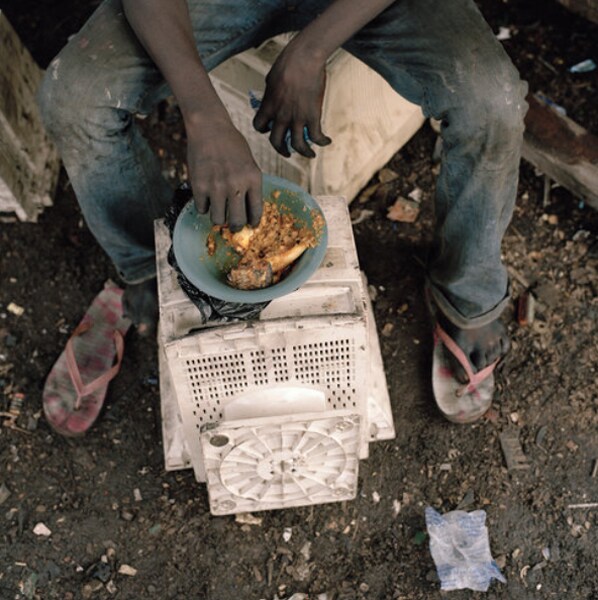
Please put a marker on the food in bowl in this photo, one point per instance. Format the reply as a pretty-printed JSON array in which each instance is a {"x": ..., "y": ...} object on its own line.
[{"x": 266, "y": 252}]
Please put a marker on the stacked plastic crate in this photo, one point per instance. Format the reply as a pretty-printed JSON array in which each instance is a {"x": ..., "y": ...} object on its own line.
[{"x": 275, "y": 412}]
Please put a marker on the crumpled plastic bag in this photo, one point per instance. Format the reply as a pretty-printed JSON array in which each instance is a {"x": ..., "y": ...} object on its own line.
[{"x": 461, "y": 551}]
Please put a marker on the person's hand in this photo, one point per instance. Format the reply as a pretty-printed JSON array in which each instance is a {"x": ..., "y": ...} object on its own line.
[
  {"x": 224, "y": 176},
  {"x": 292, "y": 102}
]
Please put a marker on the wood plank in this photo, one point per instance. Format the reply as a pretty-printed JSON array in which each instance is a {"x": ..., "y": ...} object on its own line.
[
  {"x": 29, "y": 162},
  {"x": 562, "y": 149},
  {"x": 585, "y": 8}
]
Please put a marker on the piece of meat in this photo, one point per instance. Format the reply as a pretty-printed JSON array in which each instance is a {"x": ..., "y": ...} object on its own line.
[
  {"x": 268, "y": 250},
  {"x": 252, "y": 276},
  {"x": 259, "y": 274}
]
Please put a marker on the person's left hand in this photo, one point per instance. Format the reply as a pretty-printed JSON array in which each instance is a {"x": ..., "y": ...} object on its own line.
[{"x": 292, "y": 102}]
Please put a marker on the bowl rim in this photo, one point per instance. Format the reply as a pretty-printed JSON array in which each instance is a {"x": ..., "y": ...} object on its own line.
[{"x": 189, "y": 265}]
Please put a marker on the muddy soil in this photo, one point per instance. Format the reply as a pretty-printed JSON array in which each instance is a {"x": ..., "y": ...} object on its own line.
[{"x": 109, "y": 502}]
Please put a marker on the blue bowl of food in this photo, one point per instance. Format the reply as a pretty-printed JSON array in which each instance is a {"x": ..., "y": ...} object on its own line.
[{"x": 256, "y": 264}]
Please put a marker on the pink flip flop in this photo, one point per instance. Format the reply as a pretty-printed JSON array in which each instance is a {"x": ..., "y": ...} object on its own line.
[
  {"x": 76, "y": 387},
  {"x": 459, "y": 403}
]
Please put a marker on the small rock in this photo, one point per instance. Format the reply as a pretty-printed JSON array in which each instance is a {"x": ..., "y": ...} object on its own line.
[
  {"x": 42, "y": 530},
  {"x": 306, "y": 551},
  {"x": 287, "y": 533},
  {"x": 4, "y": 493},
  {"x": 501, "y": 561},
  {"x": 127, "y": 515},
  {"x": 15, "y": 309},
  {"x": 111, "y": 587},
  {"x": 403, "y": 210},
  {"x": 388, "y": 329},
  {"x": 368, "y": 193},
  {"x": 386, "y": 175},
  {"x": 127, "y": 570}
]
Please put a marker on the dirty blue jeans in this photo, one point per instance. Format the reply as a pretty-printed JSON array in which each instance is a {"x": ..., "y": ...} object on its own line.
[{"x": 440, "y": 55}]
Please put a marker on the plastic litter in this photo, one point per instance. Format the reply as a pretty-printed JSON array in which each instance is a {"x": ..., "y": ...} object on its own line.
[
  {"x": 585, "y": 66},
  {"x": 504, "y": 33},
  {"x": 461, "y": 551}
]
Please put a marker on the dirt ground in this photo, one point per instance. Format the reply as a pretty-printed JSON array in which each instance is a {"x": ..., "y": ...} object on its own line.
[{"x": 109, "y": 502}]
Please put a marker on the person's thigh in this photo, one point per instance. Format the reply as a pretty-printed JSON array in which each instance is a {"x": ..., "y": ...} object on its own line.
[
  {"x": 105, "y": 64},
  {"x": 437, "y": 53}
]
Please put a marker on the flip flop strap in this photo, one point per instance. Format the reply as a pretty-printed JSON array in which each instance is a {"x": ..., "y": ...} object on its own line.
[
  {"x": 474, "y": 378},
  {"x": 101, "y": 381}
]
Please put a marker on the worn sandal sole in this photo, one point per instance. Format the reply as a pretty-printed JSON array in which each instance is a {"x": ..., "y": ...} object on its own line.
[
  {"x": 458, "y": 402},
  {"x": 76, "y": 387}
]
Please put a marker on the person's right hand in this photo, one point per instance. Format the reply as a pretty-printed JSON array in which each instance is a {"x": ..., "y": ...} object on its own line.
[{"x": 224, "y": 176}]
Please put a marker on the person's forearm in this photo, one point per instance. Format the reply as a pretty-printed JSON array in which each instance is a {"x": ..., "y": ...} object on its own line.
[
  {"x": 164, "y": 29},
  {"x": 332, "y": 28}
]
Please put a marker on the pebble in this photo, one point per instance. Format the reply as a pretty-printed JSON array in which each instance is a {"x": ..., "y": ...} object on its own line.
[
  {"x": 42, "y": 530},
  {"x": 4, "y": 493},
  {"x": 127, "y": 570},
  {"x": 111, "y": 587}
]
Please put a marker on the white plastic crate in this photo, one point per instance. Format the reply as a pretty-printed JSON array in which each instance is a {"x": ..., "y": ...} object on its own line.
[
  {"x": 335, "y": 288},
  {"x": 228, "y": 379},
  {"x": 366, "y": 119},
  {"x": 258, "y": 464}
]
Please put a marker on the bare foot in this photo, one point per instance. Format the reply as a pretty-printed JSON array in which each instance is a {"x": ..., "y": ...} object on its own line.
[
  {"x": 140, "y": 302},
  {"x": 482, "y": 346}
]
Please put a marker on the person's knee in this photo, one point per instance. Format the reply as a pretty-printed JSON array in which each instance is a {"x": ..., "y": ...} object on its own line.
[
  {"x": 56, "y": 101},
  {"x": 497, "y": 104}
]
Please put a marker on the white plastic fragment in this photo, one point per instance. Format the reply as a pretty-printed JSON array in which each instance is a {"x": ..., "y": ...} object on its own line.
[
  {"x": 504, "y": 33},
  {"x": 366, "y": 213},
  {"x": 248, "y": 519},
  {"x": 41, "y": 529},
  {"x": 585, "y": 66},
  {"x": 416, "y": 194},
  {"x": 137, "y": 495},
  {"x": 375, "y": 497},
  {"x": 461, "y": 551},
  {"x": 287, "y": 533}
]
